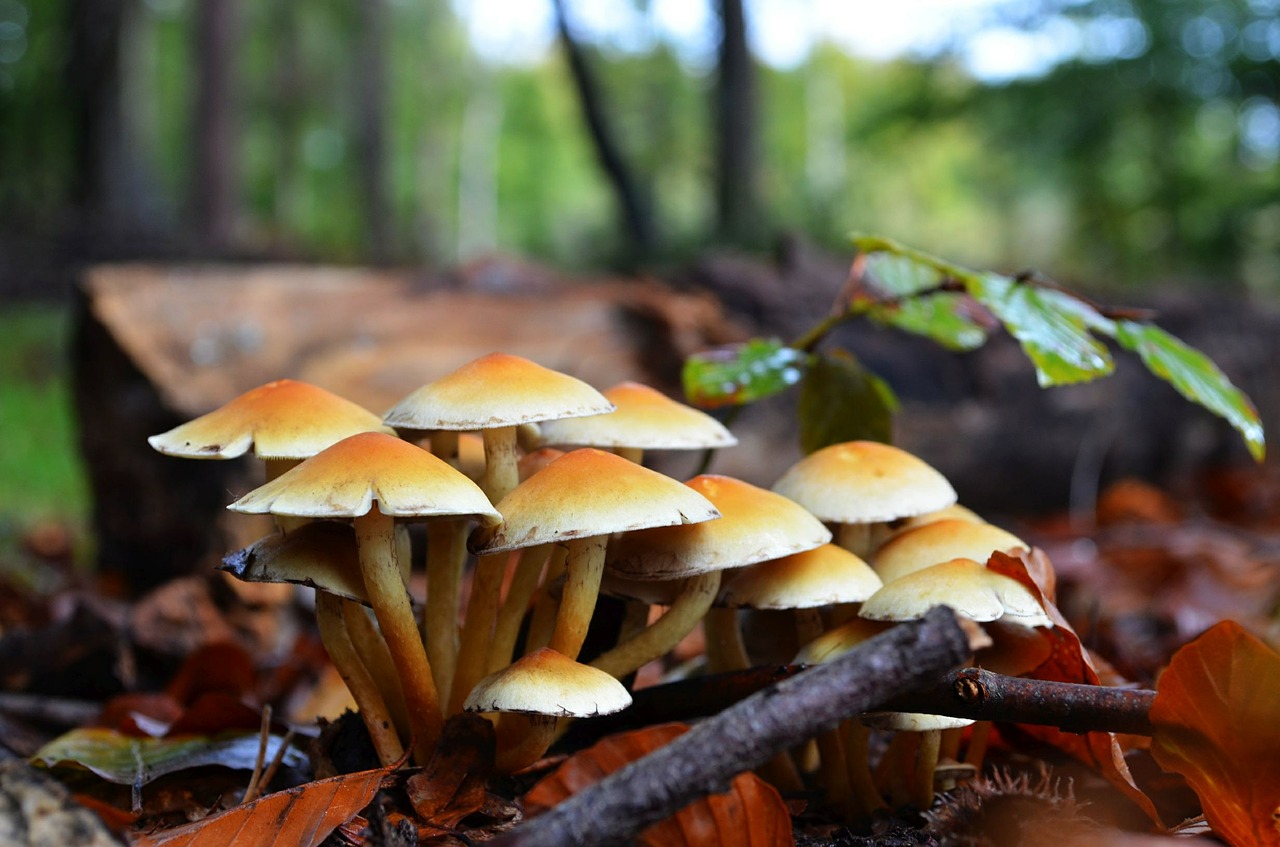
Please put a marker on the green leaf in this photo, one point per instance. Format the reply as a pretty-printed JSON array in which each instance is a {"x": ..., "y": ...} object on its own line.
[
  {"x": 840, "y": 400},
  {"x": 897, "y": 275},
  {"x": 1054, "y": 336},
  {"x": 1195, "y": 377},
  {"x": 738, "y": 374},
  {"x": 127, "y": 760},
  {"x": 941, "y": 317}
]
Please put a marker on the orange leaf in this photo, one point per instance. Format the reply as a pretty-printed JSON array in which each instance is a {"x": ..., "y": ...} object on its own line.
[
  {"x": 750, "y": 814},
  {"x": 1070, "y": 663},
  {"x": 1217, "y": 723},
  {"x": 452, "y": 785},
  {"x": 299, "y": 817}
]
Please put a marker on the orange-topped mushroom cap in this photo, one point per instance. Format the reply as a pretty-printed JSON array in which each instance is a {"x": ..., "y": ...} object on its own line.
[
  {"x": 645, "y": 418},
  {"x": 586, "y": 493},
  {"x": 865, "y": 482},
  {"x": 941, "y": 541},
  {"x": 822, "y": 576},
  {"x": 496, "y": 390},
  {"x": 755, "y": 525},
  {"x": 285, "y": 419},
  {"x": 346, "y": 479}
]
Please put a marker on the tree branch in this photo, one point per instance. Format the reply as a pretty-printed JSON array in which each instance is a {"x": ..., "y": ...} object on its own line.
[{"x": 747, "y": 734}]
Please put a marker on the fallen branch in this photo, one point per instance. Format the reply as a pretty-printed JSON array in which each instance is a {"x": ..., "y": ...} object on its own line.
[
  {"x": 749, "y": 733},
  {"x": 966, "y": 693}
]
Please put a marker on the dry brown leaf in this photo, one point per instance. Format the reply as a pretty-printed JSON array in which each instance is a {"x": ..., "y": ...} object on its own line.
[
  {"x": 750, "y": 814},
  {"x": 1217, "y": 723},
  {"x": 1070, "y": 663},
  {"x": 452, "y": 785},
  {"x": 299, "y": 817}
]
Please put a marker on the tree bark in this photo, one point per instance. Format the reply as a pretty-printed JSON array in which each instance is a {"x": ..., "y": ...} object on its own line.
[
  {"x": 737, "y": 212},
  {"x": 215, "y": 125},
  {"x": 637, "y": 216},
  {"x": 371, "y": 86}
]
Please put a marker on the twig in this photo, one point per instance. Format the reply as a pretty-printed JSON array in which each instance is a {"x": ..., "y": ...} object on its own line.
[
  {"x": 747, "y": 734},
  {"x": 967, "y": 693},
  {"x": 264, "y": 738}
]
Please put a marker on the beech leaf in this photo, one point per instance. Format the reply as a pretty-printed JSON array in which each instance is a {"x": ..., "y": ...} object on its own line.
[
  {"x": 1216, "y": 721},
  {"x": 840, "y": 400},
  {"x": 750, "y": 814},
  {"x": 738, "y": 374},
  {"x": 298, "y": 817},
  {"x": 1196, "y": 377},
  {"x": 945, "y": 317}
]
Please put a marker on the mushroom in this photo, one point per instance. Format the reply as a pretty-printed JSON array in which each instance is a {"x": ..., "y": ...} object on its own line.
[
  {"x": 941, "y": 541},
  {"x": 755, "y": 525},
  {"x": 645, "y": 419},
  {"x": 580, "y": 499},
  {"x": 953, "y": 512},
  {"x": 495, "y": 395},
  {"x": 543, "y": 686},
  {"x": 372, "y": 479},
  {"x": 862, "y": 485}
]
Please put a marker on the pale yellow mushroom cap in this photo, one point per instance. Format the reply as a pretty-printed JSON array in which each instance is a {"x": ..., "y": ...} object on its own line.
[
  {"x": 346, "y": 479},
  {"x": 548, "y": 683},
  {"x": 964, "y": 585},
  {"x": 953, "y": 512},
  {"x": 586, "y": 493},
  {"x": 320, "y": 554},
  {"x": 865, "y": 482},
  {"x": 646, "y": 419},
  {"x": 822, "y": 576},
  {"x": 941, "y": 541},
  {"x": 836, "y": 642},
  {"x": 496, "y": 390},
  {"x": 755, "y": 525},
  {"x": 912, "y": 722},
  {"x": 285, "y": 419}
]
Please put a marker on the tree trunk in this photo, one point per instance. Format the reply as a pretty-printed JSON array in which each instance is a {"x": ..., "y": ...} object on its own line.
[
  {"x": 637, "y": 215},
  {"x": 215, "y": 124},
  {"x": 737, "y": 214}
]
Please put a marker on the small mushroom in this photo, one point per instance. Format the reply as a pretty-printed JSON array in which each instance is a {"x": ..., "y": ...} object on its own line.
[{"x": 941, "y": 541}]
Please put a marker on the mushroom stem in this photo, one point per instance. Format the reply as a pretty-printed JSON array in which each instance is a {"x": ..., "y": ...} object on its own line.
[
  {"x": 926, "y": 764},
  {"x": 523, "y": 584},
  {"x": 276, "y": 468},
  {"x": 477, "y": 627},
  {"x": 635, "y": 617},
  {"x": 856, "y": 538},
  {"x": 444, "y": 445},
  {"x": 533, "y": 735},
  {"x": 333, "y": 634},
  {"x": 375, "y": 539},
  {"x": 545, "y": 608},
  {"x": 725, "y": 650},
  {"x": 376, "y": 658},
  {"x": 446, "y": 554},
  {"x": 857, "y": 760},
  {"x": 500, "y": 454},
  {"x": 632, "y": 454},
  {"x": 831, "y": 753},
  {"x": 584, "y": 566},
  {"x": 689, "y": 607}
]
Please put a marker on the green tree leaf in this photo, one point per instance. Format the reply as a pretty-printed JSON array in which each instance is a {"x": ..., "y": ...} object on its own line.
[
  {"x": 942, "y": 317},
  {"x": 840, "y": 400},
  {"x": 1056, "y": 338},
  {"x": 738, "y": 374},
  {"x": 1195, "y": 377}
]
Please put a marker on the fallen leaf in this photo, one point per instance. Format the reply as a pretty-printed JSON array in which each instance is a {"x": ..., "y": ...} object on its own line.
[
  {"x": 1068, "y": 662},
  {"x": 224, "y": 667},
  {"x": 298, "y": 817},
  {"x": 750, "y": 814},
  {"x": 1217, "y": 723},
  {"x": 126, "y": 760},
  {"x": 452, "y": 785}
]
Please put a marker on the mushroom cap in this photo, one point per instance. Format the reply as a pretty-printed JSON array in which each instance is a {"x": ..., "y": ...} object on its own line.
[
  {"x": 941, "y": 541},
  {"x": 285, "y": 419},
  {"x": 865, "y": 482},
  {"x": 836, "y": 642},
  {"x": 645, "y": 418},
  {"x": 346, "y": 479},
  {"x": 585, "y": 493},
  {"x": 912, "y": 722},
  {"x": 755, "y": 525},
  {"x": 494, "y": 391},
  {"x": 549, "y": 683},
  {"x": 963, "y": 584},
  {"x": 320, "y": 554},
  {"x": 822, "y": 576},
  {"x": 953, "y": 512}
]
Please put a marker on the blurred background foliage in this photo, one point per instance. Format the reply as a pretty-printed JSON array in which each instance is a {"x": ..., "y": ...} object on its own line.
[{"x": 1109, "y": 141}]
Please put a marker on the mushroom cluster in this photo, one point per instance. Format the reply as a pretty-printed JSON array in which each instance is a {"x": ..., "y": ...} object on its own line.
[{"x": 534, "y": 481}]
